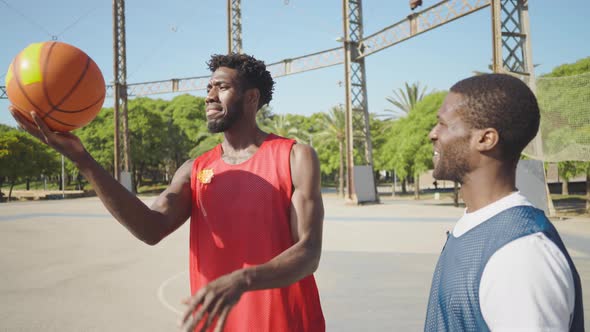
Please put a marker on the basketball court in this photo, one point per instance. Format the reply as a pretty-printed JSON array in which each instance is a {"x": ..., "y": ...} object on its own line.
[{"x": 68, "y": 266}]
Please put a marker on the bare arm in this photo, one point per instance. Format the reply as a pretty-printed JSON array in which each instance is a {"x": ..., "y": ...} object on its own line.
[
  {"x": 169, "y": 211},
  {"x": 300, "y": 260},
  {"x": 307, "y": 215}
]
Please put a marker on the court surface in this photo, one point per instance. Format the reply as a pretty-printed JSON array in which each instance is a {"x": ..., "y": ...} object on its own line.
[{"x": 67, "y": 265}]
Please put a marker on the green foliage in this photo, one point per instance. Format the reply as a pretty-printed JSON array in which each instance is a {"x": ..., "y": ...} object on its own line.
[
  {"x": 329, "y": 156},
  {"x": 407, "y": 148},
  {"x": 188, "y": 115},
  {"x": 4, "y": 128},
  {"x": 569, "y": 69},
  {"x": 186, "y": 125},
  {"x": 149, "y": 139},
  {"x": 331, "y": 139},
  {"x": 379, "y": 135},
  {"x": 97, "y": 137},
  {"x": 206, "y": 144},
  {"x": 16, "y": 155},
  {"x": 281, "y": 125},
  {"x": 405, "y": 100},
  {"x": 264, "y": 115},
  {"x": 22, "y": 156},
  {"x": 569, "y": 169}
]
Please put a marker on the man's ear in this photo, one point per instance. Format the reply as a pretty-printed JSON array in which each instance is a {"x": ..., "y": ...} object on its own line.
[
  {"x": 487, "y": 139},
  {"x": 253, "y": 96}
]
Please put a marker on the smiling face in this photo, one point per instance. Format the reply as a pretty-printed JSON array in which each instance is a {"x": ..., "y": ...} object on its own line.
[
  {"x": 451, "y": 139},
  {"x": 225, "y": 102}
]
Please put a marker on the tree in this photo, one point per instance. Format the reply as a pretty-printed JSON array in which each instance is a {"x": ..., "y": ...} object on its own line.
[
  {"x": 569, "y": 69},
  {"x": 148, "y": 141},
  {"x": 186, "y": 125},
  {"x": 281, "y": 126},
  {"x": 407, "y": 150},
  {"x": 332, "y": 135},
  {"x": 405, "y": 100},
  {"x": 567, "y": 170},
  {"x": 16, "y": 157},
  {"x": 97, "y": 137},
  {"x": 263, "y": 116}
]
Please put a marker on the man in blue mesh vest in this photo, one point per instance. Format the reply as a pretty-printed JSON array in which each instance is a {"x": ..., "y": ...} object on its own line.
[{"x": 504, "y": 266}]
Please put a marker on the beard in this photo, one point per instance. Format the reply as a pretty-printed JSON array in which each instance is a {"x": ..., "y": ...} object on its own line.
[
  {"x": 223, "y": 124},
  {"x": 453, "y": 163}
]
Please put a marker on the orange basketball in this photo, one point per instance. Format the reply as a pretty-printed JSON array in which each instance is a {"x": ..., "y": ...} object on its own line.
[{"x": 59, "y": 81}]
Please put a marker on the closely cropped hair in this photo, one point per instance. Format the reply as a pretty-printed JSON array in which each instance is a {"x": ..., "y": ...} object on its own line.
[
  {"x": 252, "y": 73},
  {"x": 504, "y": 103}
]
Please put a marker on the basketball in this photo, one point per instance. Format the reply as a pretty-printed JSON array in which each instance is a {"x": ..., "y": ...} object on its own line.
[{"x": 59, "y": 81}]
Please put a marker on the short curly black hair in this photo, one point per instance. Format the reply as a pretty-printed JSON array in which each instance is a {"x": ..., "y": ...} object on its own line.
[
  {"x": 252, "y": 73},
  {"x": 502, "y": 102}
]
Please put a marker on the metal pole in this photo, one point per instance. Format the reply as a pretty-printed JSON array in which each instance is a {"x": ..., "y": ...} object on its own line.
[
  {"x": 120, "y": 86},
  {"x": 234, "y": 26},
  {"x": 229, "y": 28},
  {"x": 350, "y": 194},
  {"x": 63, "y": 178},
  {"x": 116, "y": 161},
  {"x": 497, "y": 62}
]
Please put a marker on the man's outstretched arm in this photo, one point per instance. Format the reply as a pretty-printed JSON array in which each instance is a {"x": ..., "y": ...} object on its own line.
[{"x": 170, "y": 210}]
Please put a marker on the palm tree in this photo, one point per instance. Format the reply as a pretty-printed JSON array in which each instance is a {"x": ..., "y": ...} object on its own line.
[
  {"x": 281, "y": 126},
  {"x": 405, "y": 100},
  {"x": 334, "y": 124}
]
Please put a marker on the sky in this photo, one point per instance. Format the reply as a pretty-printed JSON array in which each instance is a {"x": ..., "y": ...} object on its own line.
[{"x": 175, "y": 38}]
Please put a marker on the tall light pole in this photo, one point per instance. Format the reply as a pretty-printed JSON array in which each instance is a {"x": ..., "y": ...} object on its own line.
[{"x": 120, "y": 95}]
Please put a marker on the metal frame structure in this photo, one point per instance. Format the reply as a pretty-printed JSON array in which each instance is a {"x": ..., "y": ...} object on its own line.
[
  {"x": 510, "y": 39},
  {"x": 356, "y": 91},
  {"x": 234, "y": 26},
  {"x": 120, "y": 90}
]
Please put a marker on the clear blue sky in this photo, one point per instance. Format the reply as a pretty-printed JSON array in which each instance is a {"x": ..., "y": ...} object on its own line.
[{"x": 174, "y": 39}]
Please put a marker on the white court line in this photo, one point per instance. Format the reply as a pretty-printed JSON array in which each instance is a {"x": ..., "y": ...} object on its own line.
[{"x": 161, "y": 293}]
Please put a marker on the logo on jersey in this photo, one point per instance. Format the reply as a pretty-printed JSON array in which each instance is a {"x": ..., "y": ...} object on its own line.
[{"x": 205, "y": 175}]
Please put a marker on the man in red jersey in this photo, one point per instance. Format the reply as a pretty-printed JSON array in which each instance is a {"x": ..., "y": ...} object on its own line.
[{"x": 255, "y": 206}]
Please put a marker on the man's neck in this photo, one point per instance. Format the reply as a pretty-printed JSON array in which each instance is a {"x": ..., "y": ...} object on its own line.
[
  {"x": 242, "y": 138},
  {"x": 485, "y": 186},
  {"x": 241, "y": 143}
]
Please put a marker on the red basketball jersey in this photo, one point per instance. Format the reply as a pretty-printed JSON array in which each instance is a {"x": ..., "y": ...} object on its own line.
[{"x": 240, "y": 218}]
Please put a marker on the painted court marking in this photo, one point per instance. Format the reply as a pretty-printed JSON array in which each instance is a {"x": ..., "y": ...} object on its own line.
[{"x": 161, "y": 297}]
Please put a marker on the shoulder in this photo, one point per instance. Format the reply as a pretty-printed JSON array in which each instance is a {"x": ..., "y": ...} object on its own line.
[
  {"x": 535, "y": 275},
  {"x": 184, "y": 171},
  {"x": 302, "y": 153},
  {"x": 305, "y": 166}
]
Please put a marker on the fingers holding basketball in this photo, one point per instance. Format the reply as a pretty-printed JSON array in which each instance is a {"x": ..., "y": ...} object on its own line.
[
  {"x": 26, "y": 124},
  {"x": 22, "y": 121},
  {"x": 65, "y": 143}
]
